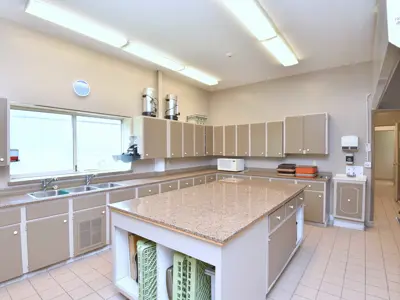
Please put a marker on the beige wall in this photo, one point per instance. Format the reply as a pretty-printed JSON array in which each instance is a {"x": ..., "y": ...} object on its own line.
[
  {"x": 341, "y": 92},
  {"x": 38, "y": 69},
  {"x": 384, "y": 154}
]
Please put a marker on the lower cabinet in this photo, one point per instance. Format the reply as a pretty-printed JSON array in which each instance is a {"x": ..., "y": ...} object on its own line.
[
  {"x": 11, "y": 256},
  {"x": 314, "y": 206},
  {"x": 148, "y": 190},
  {"x": 282, "y": 243},
  {"x": 349, "y": 201},
  {"x": 48, "y": 241},
  {"x": 89, "y": 230}
]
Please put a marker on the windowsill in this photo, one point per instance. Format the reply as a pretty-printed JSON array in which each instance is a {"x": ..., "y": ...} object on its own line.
[{"x": 36, "y": 179}]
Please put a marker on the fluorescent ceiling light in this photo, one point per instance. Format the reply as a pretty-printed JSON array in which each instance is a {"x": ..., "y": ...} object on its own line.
[
  {"x": 152, "y": 55},
  {"x": 278, "y": 48},
  {"x": 75, "y": 22},
  {"x": 253, "y": 17},
  {"x": 199, "y": 76}
]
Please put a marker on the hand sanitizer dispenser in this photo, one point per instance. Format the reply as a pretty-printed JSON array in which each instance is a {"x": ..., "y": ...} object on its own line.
[{"x": 350, "y": 145}]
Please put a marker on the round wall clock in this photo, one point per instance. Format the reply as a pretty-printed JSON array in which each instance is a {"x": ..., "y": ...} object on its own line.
[{"x": 81, "y": 88}]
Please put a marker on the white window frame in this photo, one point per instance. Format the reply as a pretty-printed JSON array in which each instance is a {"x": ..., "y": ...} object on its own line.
[{"x": 74, "y": 169}]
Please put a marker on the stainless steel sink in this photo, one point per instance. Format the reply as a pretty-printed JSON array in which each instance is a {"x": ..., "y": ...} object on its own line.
[
  {"x": 81, "y": 189},
  {"x": 107, "y": 185},
  {"x": 48, "y": 194}
]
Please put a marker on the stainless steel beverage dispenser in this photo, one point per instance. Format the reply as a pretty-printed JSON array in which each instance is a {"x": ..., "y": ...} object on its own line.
[
  {"x": 150, "y": 102},
  {"x": 171, "y": 107}
]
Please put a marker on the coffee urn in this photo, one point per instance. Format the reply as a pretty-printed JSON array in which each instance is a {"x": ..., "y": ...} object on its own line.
[
  {"x": 171, "y": 107},
  {"x": 150, "y": 102}
]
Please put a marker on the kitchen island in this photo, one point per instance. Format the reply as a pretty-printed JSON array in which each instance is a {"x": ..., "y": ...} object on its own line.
[{"x": 247, "y": 229}]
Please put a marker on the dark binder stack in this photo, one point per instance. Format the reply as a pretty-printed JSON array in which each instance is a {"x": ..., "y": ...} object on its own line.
[{"x": 287, "y": 170}]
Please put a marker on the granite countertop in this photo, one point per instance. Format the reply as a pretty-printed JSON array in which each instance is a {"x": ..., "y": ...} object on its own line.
[{"x": 215, "y": 211}]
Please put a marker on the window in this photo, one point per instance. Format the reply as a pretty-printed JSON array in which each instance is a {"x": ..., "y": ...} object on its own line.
[{"x": 53, "y": 143}]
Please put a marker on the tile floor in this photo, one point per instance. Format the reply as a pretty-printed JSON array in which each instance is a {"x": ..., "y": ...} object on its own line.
[{"x": 332, "y": 264}]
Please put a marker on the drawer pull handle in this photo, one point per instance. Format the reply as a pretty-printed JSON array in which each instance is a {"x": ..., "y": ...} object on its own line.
[
  {"x": 309, "y": 185},
  {"x": 291, "y": 206},
  {"x": 279, "y": 153},
  {"x": 308, "y": 150},
  {"x": 185, "y": 153},
  {"x": 301, "y": 198},
  {"x": 319, "y": 196},
  {"x": 65, "y": 221},
  {"x": 103, "y": 212},
  {"x": 278, "y": 217},
  {"x": 170, "y": 186},
  {"x": 300, "y": 150},
  {"x": 201, "y": 181},
  {"x": 1, "y": 159},
  {"x": 262, "y": 153},
  {"x": 15, "y": 232},
  {"x": 187, "y": 183},
  {"x": 348, "y": 200},
  {"x": 147, "y": 154},
  {"x": 149, "y": 191},
  {"x": 172, "y": 154}
]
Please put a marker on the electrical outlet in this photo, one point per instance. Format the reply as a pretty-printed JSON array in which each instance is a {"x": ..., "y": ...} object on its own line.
[
  {"x": 367, "y": 164},
  {"x": 314, "y": 162}
]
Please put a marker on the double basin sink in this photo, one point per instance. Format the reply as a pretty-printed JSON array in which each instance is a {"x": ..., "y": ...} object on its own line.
[{"x": 74, "y": 190}]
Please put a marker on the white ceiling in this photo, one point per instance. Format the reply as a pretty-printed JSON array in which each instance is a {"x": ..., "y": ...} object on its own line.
[{"x": 323, "y": 33}]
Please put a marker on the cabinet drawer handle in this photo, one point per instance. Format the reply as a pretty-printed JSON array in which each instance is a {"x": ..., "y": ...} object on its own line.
[
  {"x": 280, "y": 153},
  {"x": 300, "y": 150},
  {"x": 147, "y": 154},
  {"x": 278, "y": 217},
  {"x": 187, "y": 183},
  {"x": 15, "y": 232},
  {"x": 220, "y": 153},
  {"x": 1, "y": 159},
  {"x": 201, "y": 181},
  {"x": 65, "y": 221},
  {"x": 185, "y": 153},
  {"x": 348, "y": 200},
  {"x": 308, "y": 150},
  {"x": 149, "y": 191},
  {"x": 301, "y": 198},
  {"x": 319, "y": 196},
  {"x": 170, "y": 186},
  {"x": 262, "y": 153},
  {"x": 309, "y": 185},
  {"x": 103, "y": 212},
  {"x": 291, "y": 206},
  {"x": 172, "y": 154}
]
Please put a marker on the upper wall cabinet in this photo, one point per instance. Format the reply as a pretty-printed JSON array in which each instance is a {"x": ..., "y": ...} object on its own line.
[
  {"x": 218, "y": 140},
  {"x": 175, "y": 139},
  {"x": 209, "y": 140},
  {"x": 230, "y": 140},
  {"x": 188, "y": 140},
  {"x": 4, "y": 132},
  {"x": 199, "y": 140},
  {"x": 152, "y": 137},
  {"x": 275, "y": 139},
  {"x": 306, "y": 134},
  {"x": 243, "y": 140},
  {"x": 258, "y": 139}
]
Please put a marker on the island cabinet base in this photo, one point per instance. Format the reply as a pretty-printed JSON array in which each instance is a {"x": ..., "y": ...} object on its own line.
[{"x": 241, "y": 264}]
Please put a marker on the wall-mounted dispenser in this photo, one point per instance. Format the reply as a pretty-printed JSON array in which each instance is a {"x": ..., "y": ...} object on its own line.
[
  {"x": 350, "y": 145},
  {"x": 149, "y": 102}
]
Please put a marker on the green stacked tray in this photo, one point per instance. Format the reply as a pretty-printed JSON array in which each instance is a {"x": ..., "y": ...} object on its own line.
[
  {"x": 147, "y": 267},
  {"x": 190, "y": 281}
]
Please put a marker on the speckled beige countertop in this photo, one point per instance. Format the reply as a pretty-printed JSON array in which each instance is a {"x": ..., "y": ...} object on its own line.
[
  {"x": 215, "y": 211},
  {"x": 322, "y": 176}
]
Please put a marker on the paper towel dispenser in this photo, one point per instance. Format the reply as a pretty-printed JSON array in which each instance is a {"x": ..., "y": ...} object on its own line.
[{"x": 350, "y": 143}]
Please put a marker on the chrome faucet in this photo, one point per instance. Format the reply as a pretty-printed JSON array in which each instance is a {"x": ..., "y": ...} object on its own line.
[
  {"x": 89, "y": 178},
  {"x": 46, "y": 182}
]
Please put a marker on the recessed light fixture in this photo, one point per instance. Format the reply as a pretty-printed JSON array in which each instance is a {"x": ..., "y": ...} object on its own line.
[
  {"x": 278, "y": 48},
  {"x": 152, "y": 55},
  {"x": 199, "y": 76},
  {"x": 75, "y": 22},
  {"x": 252, "y": 15}
]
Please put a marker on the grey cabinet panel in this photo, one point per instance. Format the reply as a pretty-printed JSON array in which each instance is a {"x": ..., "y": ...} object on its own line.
[
  {"x": 169, "y": 186},
  {"x": 175, "y": 139},
  {"x": 185, "y": 183},
  {"x": 275, "y": 139},
  {"x": 294, "y": 135},
  {"x": 10, "y": 216},
  {"x": 315, "y": 134},
  {"x": 211, "y": 178},
  {"x": 258, "y": 136},
  {"x": 148, "y": 190},
  {"x": 152, "y": 137},
  {"x": 291, "y": 206},
  {"x": 314, "y": 206},
  {"x": 122, "y": 195},
  {"x": 4, "y": 132},
  {"x": 230, "y": 140},
  {"x": 199, "y": 140},
  {"x": 48, "y": 241},
  {"x": 89, "y": 201},
  {"x": 313, "y": 186},
  {"x": 243, "y": 140},
  {"x": 276, "y": 218},
  {"x": 349, "y": 202},
  {"x": 219, "y": 140},
  {"x": 223, "y": 176},
  {"x": 46, "y": 209},
  {"x": 188, "y": 139},
  {"x": 209, "y": 140},
  {"x": 89, "y": 230},
  {"x": 11, "y": 256},
  {"x": 199, "y": 180}
]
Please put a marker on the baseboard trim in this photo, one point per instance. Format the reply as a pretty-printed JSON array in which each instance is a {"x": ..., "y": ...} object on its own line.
[{"x": 349, "y": 224}]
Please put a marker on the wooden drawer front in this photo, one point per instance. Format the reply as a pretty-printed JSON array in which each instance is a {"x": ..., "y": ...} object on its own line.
[
  {"x": 148, "y": 190},
  {"x": 169, "y": 186},
  {"x": 291, "y": 206},
  {"x": 276, "y": 218},
  {"x": 48, "y": 241},
  {"x": 314, "y": 206},
  {"x": 211, "y": 178},
  {"x": 313, "y": 186},
  {"x": 199, "y": 180},
  {"x": 184, "y": 183},
  {"x": 349, "y": 202},
  {"x": 11, "y": 257},
  {"x": 47, "y": 209},
  {"x": 122, "y": 195},
  {"x": 10, "y": 216},
  {"x": 89, "y": 201},
  {"x": 222, "y": 176},
  {"x": 300, "y": 199}
]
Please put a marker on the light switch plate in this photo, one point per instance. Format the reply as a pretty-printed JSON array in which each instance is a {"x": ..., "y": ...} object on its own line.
[{"x": 367, "y": 164}]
